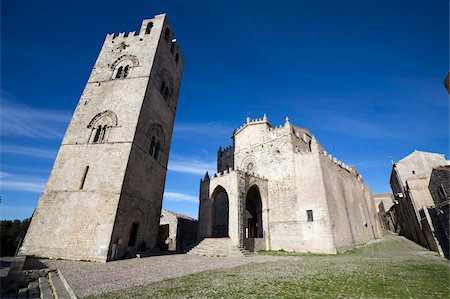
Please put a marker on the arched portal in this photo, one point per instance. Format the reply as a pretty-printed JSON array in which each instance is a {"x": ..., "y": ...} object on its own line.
[
  {"x": 220, "y": 213},
  {"x": 253, "y": 214}
]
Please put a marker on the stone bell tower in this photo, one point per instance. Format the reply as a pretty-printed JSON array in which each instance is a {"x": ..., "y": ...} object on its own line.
[{"x": 103, "y": 198}]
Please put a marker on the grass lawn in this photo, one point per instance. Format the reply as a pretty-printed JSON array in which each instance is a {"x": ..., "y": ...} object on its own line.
[{"x": 392, "y": 267}]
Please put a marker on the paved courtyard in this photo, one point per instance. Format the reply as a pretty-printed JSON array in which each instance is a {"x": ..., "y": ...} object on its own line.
[
  {"x": 87, "y": 278},
  {"x": 392, "y": 267}
]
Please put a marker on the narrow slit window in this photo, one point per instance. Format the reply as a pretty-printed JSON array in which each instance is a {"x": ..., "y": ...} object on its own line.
[
  {"x": 309, "y": 214},
  {"x": 83, "y": 180}
]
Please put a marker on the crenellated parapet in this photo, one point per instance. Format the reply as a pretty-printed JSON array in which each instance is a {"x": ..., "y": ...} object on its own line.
[
  {"x": 146, "y": 30},
  {"x": 342, "y": 165},
  {"x": 229, "y": 171}
]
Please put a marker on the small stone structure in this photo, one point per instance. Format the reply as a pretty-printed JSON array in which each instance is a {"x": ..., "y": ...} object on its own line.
[
  {"x": 176, "y": 231},
  {"x": 104, "y": 195},
  {"x": 418, "y": 202},
  {"x": 277, "y": 188},
  {"x": 383, "y": 203}
]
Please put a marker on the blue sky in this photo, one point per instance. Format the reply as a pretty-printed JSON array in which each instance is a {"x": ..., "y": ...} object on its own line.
[{"x": 364, "y": 76}]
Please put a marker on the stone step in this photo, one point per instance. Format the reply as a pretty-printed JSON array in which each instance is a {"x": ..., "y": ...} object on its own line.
[
  {"x": 58, "y": 287},
  {"x": 45, "y": 289},
  {"x": 219, "y": 247}
]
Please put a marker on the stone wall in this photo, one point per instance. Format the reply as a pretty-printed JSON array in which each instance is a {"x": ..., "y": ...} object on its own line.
[
  {"x": 295, "y": 179},
  {"x": 98, "y": 189}
]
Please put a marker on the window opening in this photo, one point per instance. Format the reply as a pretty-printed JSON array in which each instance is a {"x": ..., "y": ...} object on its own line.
[
  {"x": 309, "y": 214},
  {"x": 133, "y": 234},
  {"x": 148, "y": 29},
  {"x": 84, "y": 177}
]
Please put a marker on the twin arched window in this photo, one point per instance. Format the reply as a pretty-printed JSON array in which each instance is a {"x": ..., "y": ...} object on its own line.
[
  {"x": 101, "y": 124},
  {"x": 166, "y": 84},
  {"x": 100, "y": 133},
  {"x": 156, "y": 136},
  {"x": 164, "y": 90},
  {"x": 122, "y": 72},
  {"x": 122, "y": 67},
  {"x": 155, "y": 148}
]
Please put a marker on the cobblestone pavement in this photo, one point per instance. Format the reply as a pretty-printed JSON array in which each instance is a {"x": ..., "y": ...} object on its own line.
[
  {"x": 87, "y": 278},
  {"x": 391, "y": 267}
]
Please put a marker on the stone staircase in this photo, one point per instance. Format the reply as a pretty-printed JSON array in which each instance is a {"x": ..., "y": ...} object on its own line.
[
  {"x": 52, "y": 286},
  {"x": 223, "y": 247}
]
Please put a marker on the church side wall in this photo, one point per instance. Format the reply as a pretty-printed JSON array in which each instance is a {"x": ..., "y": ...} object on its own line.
[
  {"x": 311, "y": 236},
  {"x": 349, "y": 214}
]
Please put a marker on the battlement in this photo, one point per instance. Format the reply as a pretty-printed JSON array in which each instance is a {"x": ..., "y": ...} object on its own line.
[
  {"x": 226, "y": 151},
  {"x": 148, "y": 26},
  {"x": 253, "y": 122},
  {"x": 230, "y": 171},
  {"x": 341, "y": 164}
]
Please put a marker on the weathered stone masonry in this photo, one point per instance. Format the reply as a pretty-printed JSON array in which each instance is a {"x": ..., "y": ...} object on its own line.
[
  {"x": 277, "y": 188},
  {"x": 104, "y": 194}
]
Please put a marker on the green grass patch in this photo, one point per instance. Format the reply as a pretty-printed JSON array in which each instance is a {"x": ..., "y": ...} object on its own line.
[
  {"x": 282, "y": 252},
  {"x": 391, "y": 268}
]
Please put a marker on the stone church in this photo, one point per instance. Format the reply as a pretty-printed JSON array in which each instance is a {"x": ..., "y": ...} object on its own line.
[
  {"x": 103, "y": 198},
  {"x": 277, "y": 188}
]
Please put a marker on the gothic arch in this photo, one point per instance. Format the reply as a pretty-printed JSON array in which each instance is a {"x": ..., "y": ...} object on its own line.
[
  {"x": 220, "y": 212},
  {"x": 106, "y": 117},
  {"x": 253, "y": 213}
]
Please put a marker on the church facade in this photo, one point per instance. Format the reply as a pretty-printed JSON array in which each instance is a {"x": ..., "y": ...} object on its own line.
[
  {"x": 277, "y": 188},
  {"x": 104, "y": 195}
]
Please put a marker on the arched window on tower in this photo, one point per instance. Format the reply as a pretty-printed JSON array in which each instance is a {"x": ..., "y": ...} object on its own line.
[
  {"x": 122, "y": 72},
  {"x": 119, "y": 72},
  {"x": 156, "y": 136},
  {"x": 164, "y": 90},
  {"x": 101, "y": 124},
  {"x": 100, "y": 133}
]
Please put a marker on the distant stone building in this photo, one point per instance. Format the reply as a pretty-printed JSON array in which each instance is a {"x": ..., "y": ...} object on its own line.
[
  {"x": 439, "y": 187},
  {"x": 383, "y": 204},
  {"x": 383, "y": 200},
  {"x": 176, "y": 231},
  {"x": 277, "y": 188},
  {"x": 410, "y": 180},
  {"x": 103, "y": 197}
]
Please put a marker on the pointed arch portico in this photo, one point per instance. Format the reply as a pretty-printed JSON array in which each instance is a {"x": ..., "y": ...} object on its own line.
[{"x": 246, "y": 194}]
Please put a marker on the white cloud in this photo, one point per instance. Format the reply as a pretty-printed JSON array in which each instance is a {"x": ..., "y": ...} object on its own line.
[
  {"x": 190, "y": 165},
  {"x": 180, "y": 197},
  {"x": 21, "y": 183},
  {"x": 21, "y": 120},
  {"x": 27, "y": 151}
]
